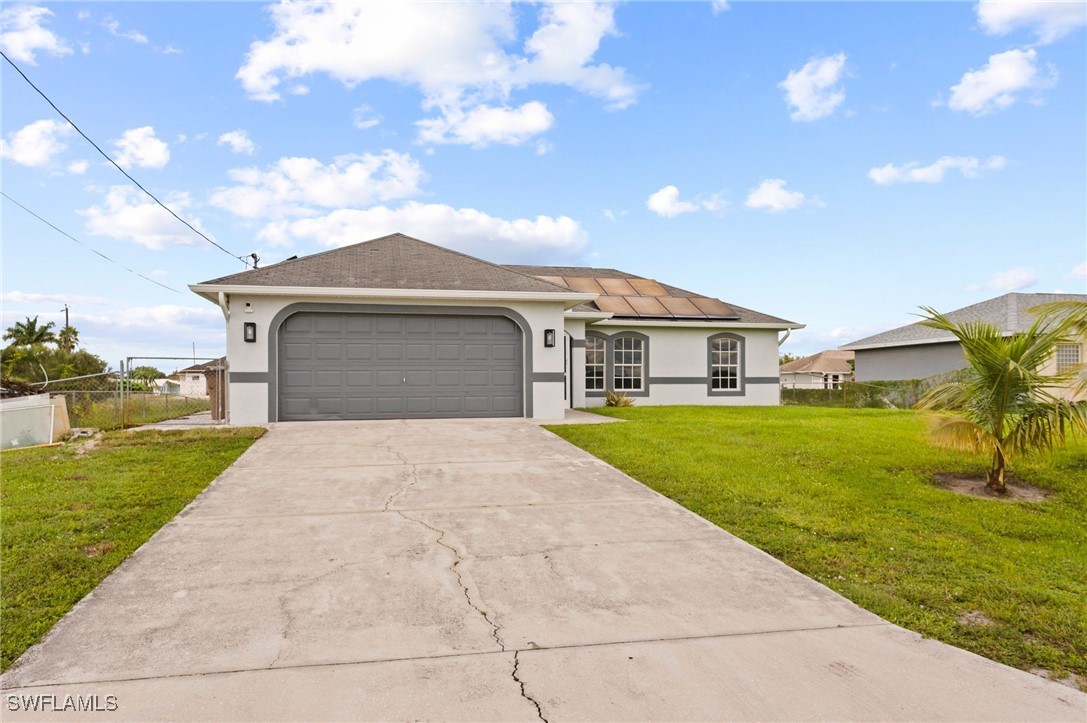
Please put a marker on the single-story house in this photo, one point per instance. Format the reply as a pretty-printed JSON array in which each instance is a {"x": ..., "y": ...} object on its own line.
[
  {"x": 400, "y": 328},
  {"x": 825, "y": 370},
  {"x": 916, "y": 351},
  {"x": 166, "y": 385},
  {"x": 193, "y": 380}
]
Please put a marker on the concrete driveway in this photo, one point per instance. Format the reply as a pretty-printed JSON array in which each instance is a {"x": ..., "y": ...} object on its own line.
[{"x": 483, "y": 570}]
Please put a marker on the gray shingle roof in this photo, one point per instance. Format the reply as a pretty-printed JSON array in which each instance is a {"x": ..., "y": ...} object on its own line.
[
  {"x": 392, "y": 262},
  {"x": 735, "y": 313},
  {"x": 1009, "y": 313},
  {"x": 832, "y": 361}
]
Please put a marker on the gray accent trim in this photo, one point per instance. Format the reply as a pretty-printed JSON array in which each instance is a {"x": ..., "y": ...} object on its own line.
[
  {"x": 548, "y": 376},
  {"x": 609, "y": 363},
  {"x": 576, "y": 343},
  {"x": 742, "y": 391},
  {"x": 248, "y": 377},
  {"x": 763, "y": 380},
  {"x": 679, "y": 380},
  {"x": 282, "y": 314}
]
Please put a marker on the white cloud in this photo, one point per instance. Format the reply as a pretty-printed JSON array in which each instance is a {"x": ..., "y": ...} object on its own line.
[
  {"x": 365, "y": 118},
  {"x": 114, "y": 29},
  {"x": 483, "y": 125},
  {"x": 23, "y": 33},
  {"x": 139, "y": 148},
  {"x": 128, "y": 215},
  {"x": 969, "y": 166},
  {"x": 614, "y": 216},
  {"x": 35, "y": 144},
  {"x": 719, "y": 6},
  {"x": 1000, "y": 83},
  {"x": 293, "y": 186},
  {"x": 1050, "y": 19},
  {"x": 20, "y": 297},
  {"x": 666, "y": 202},
  {"x": 238, "y": 140},
  {"x": 78, "y": 168},
  {"x": 770, "y": 195},
  {"x": 458, "y": 55},
  {"x": 464, "y": 229},
  {"x": 1078, "y": 272},
  {"x": 814, "y": 91},
  {"x": 1011, "y": 280}
]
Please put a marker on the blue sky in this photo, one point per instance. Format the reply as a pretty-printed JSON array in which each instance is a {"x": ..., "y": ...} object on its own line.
[{"x": 834, "y": 164}]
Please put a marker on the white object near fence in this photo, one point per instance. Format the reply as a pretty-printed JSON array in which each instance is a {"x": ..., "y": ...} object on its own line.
[{"x": 26, "y": 421}]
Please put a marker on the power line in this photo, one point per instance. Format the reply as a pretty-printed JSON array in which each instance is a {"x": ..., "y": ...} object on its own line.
[
  {"x": 90, "y": 248},
  {"x": 138, "y": 185}
]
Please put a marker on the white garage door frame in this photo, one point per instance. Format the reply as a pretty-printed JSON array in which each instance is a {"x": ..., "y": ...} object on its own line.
[{"x": 400, "y": 309}]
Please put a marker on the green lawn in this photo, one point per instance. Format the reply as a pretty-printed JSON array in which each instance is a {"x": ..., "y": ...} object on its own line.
[
  {"x": 846, "y": 497},
  {"x": 69, "y": 515}
]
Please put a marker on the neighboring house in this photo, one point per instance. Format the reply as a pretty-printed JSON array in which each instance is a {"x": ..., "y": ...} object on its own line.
[
  {"x": 166, "y": 386},
  {"x": 193, "y": 381},
  {"x": 825, "y": 370},
  {"x": 916, "y": 351},
  {"x": 397, "y": 328}
]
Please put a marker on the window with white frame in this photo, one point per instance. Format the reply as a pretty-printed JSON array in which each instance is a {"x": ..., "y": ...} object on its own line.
[
  {"x": 724, "y": 364},
  {"x": 595, "y": 357},
  {"x": 627, "y": 363},
  {"x": 1068, "y": 356}
]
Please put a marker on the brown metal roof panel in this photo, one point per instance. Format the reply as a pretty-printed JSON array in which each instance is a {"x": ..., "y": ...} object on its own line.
[
  {"x": 647, "y": 287},
  {"x": 715, "y": 308},
  {"x": 680, "y": 307},
  {"x": 647, "y": 306},
  {"x": 615, "y": 305},
  {"x": 616, "y": 287},
  {"x": 554, "y": 280},
  {"x": 583, "y": 284}
]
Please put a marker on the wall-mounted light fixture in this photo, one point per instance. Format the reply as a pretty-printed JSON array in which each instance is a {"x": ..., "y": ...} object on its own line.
[
  {"x": 249, "y": 331},
  {"x": 549, "y": 337}
]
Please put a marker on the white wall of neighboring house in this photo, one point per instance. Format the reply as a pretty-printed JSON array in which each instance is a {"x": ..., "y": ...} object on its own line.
[
  {"x": 813, "y": 380},
  {"x": 192, "y": 384}
]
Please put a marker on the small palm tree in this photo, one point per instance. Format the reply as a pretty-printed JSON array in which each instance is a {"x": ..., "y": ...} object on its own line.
[
  {"x": 1002, "y": 405},
  {"x": 68, "y": 339},
  {"x": 29, "y": 333}
]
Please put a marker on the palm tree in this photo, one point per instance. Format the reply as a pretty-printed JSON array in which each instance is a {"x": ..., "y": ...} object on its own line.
[
  {"x": 68, "y": 339},
  {"x": 28, "y": 333},
  {"x": 1075, "y": 313},
  {"x": 1002, "y": 405}
]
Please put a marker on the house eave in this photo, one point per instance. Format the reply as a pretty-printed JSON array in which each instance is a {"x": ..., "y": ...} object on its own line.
[
  {"x": 893, "y": 344},
  {"x": 704, "y": 324},
  {"x": 569, "y": 300}
]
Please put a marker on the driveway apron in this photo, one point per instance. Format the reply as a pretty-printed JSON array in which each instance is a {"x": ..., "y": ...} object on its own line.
[{"x": 483, "y": 570}]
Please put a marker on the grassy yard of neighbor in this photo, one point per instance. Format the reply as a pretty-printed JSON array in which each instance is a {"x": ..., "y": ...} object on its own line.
[
  {"x": 69, "y": 515},
  {"x": 847, "y": 497}
]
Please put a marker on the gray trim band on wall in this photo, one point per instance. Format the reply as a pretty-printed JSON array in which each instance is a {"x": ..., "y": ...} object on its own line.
[
  {"x": 548, "y": 376},
  {"x": 316, "y": 307},
  {"x": 248, "y": 377},
  {"x": 577, "y": 343},
  {"x": 702, "y": 380},
  {"x": 763, "y": 380}
]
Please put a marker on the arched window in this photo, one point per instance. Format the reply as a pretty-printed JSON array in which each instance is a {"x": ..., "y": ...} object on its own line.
[{"x": 726, "y": 364}]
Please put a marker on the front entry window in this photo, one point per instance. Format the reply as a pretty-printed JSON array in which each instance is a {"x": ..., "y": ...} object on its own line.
[
  {"x": 594, "y": 363},
  {"x": 627, "y": 361}
]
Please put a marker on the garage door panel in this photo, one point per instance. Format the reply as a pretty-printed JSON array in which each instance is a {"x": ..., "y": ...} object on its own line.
[{"x": 370, "y": 366}]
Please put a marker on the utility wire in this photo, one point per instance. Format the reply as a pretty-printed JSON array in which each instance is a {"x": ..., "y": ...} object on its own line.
[
  {"x": 115, "y": 165},
  {"x": 93, "y": 250}
]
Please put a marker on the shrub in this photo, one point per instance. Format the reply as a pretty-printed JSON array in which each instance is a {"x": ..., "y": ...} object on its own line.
[{"x": 617, "y": 399}]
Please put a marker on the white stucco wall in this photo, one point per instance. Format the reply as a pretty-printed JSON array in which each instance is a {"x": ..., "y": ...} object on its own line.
[
  {"x": 249, "y": 397},
  {"x": 681, "y": 352}
]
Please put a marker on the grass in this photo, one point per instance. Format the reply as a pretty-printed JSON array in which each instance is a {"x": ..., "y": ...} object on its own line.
[
  {"x": 101, "y": 410},
  {"x": 846, "y": 496},
  {"x": 69, "y": 515}
]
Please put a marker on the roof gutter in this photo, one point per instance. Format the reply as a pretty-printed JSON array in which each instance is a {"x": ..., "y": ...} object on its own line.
[
  {"x": 213, "y": 292},
  {"x": 782, "y": 340},
  {"x": 704, "y": 324},
  {"x": 224, "y": 305}
]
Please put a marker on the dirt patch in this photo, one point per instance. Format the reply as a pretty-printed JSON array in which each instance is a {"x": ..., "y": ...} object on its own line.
[
  {"x": 1072, "y": 680},
  {"x": 975, "y": 486},
  {"x": 99, "y": 549},
  {"x": 975, "y": 617},
  {"x": 82, "y": 449}
]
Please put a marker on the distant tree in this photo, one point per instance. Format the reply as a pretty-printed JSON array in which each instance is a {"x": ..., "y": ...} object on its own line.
[
  {"x": 146, "y": 373},
  {"x": 1002, "y": 404},
  {"x": 68, "y": 339},
  {"x": 29, "y": 333},
  {"x": 38, "y": 363},
  {"x": 786, "y": 358}
]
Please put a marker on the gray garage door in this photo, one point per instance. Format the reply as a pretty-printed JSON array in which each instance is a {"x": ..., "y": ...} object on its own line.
[{"x": 386, "y": 366}]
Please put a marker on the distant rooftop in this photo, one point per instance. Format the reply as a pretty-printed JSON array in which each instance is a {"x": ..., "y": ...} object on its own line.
[
  {"x": 1009, "y": 313},
  {"x": 831, "y": 361}
]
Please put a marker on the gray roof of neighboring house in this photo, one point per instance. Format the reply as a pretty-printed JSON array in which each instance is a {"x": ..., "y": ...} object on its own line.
[
  {"x": 203, "y": 366},
  {"x": 392, "y": 262},
  {"x": 618, "y": 302},
  {"x": 831, "y": 361},
  {"x": 1009, "y": 313}
]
